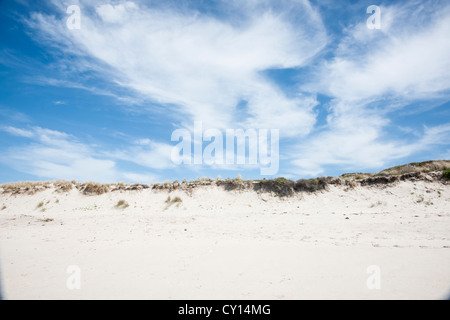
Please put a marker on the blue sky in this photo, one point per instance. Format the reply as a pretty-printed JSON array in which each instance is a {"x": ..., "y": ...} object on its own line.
[{"x": 100, "y": 103}]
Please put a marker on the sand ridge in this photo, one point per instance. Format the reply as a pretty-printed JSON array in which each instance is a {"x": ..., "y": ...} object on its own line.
[{"x": 217, "y": 244}]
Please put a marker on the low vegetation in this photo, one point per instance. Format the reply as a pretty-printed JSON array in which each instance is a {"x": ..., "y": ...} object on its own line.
[
  {"x": 446, "y": 174},
  {"x": 312, "y": 185},
  {"x": 93, "y": 188},
  {"x": 63, "y": 185},
  {"x": 377, "y": 204},
  {"x": 171, "y": 201},
  {"x": 418, "y": 167},
  {"x": 27, "y": 187},
  {"x": 235, "y": 184},
  {"x": 279, "y": 187},
  {"x": 122, "y": 204}
]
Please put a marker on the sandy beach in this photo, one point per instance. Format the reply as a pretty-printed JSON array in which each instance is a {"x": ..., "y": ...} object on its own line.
[
  {"x": 224, "y": 150},
  {"x": 217, "y": 244}
]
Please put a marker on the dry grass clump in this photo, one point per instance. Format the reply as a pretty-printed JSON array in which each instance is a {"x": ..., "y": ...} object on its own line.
[
  {"x": 184, "y": 185},
  {"x": 27, "y": 187},
  {"x": 93, "y": 188},
  {"x": 122, "y": 204},
  {"x": 177, "y": 200},
  {"x": 121, "y": 186},
  {"x": 40, "y": 205},
  {"x": 171, "y": 201},
  {"x": 63, "y": 185}
]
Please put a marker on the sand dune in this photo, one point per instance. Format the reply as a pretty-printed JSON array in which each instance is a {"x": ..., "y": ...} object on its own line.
[{"x": 217, "y": 244}]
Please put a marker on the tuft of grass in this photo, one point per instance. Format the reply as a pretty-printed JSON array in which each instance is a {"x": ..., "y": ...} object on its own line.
[
  {"x": 3, "y": 207},
  {"x": 122, "y": 204},
  {"x": 379, "y": 203},
  {"x": 170, "y": 201},
  {"x": 63, "y": 185},
  {"x": 94, "y": 188},
  {"x": 40, "y": 205},
  {"x": 177, "y": 200}
]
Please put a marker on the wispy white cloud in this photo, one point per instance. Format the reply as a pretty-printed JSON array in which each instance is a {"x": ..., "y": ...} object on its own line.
[
  {"x": 201, "y": 64},
  {"x": 408, "y": 58},
  {"x": 360, "y": 147},
  {"x": 54, "y": 155},
  {"x": 146, "y": 153},
  {"x": 373, "y": 74},
  {"x": 18, "y": 132},
  {"x": 46, "y": 81},
  {"x": 12, "y": 115}
]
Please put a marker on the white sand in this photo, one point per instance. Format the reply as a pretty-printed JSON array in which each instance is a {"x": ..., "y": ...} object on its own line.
[{"x": 228, "y": 245}]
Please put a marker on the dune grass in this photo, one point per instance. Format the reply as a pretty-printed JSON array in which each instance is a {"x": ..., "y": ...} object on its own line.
[
  {"x": 94, "y": 188},
  {"x": 122, "y": 204},
  {"x": 171, "y": 201},
  {"x": 418, "y": 167},
  {"x": 280, "y": 187}
]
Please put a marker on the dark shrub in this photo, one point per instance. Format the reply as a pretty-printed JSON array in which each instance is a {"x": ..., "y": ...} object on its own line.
[
  {"x": 446, "y": 174},
  {"x": 311, "y": 185},
  {"x": 281, "y": 186},
  {"x": 379, "y": 180}
]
